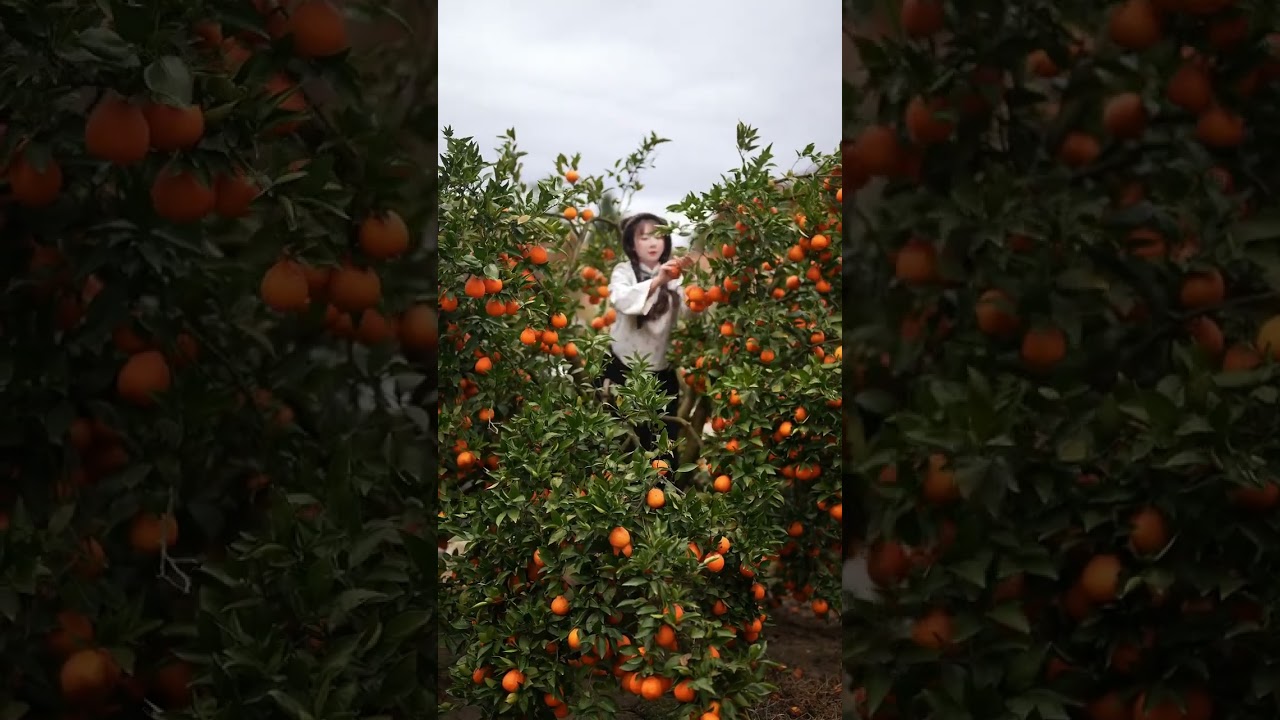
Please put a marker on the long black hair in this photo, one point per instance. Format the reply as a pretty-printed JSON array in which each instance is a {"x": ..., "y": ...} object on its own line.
[{"x": 666, "y": 298}]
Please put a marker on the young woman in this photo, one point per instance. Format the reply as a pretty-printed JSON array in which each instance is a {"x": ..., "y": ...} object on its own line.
[{"x": 645, "y": 290}]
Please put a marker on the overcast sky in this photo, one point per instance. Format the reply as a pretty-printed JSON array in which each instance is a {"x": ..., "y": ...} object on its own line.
[{"x": 597, "y": 77}]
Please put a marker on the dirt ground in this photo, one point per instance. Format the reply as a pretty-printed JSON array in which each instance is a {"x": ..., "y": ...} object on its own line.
[{"x": 808, "y": 685}]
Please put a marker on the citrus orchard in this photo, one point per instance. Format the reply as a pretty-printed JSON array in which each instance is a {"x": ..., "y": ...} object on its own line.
[
  {"x": 1065, "y": 290},
  {"x": 582, "y": 567},
  {"x": 211, "y": 479}
]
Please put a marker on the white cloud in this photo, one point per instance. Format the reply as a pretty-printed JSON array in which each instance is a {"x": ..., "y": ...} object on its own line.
[{"x": 585, "y": 76}]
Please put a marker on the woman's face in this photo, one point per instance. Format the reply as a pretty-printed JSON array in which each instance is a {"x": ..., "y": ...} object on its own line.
[{"x": 649, "y": 245}]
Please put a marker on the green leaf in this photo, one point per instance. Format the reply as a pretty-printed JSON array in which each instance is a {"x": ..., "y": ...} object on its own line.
[
  {"x": 109, "y": 46},
  {"x": 289, "y": 705},
  {"x": 1011, "y": 616}
]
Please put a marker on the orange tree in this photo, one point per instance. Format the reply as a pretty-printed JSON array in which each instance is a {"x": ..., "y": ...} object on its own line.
[
  {"x": 579, "y": 563},
  {"x": 1065, "y": 328},
  {"x": 212, "y": 327}
]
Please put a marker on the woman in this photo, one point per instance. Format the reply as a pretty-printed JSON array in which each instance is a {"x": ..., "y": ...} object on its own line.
[{"x": 645, "y": 290}]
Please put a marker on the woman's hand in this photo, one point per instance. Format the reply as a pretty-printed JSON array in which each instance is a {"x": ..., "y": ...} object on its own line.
[{"x": 671, "y": 270}]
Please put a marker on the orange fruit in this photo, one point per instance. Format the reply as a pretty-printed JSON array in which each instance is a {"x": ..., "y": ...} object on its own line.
[
  {"x": 1207, "y": 335},
  {"x": 355, "y": 289},
  {"x": 917, "y": 263},
  {"x": 172, "y": 127},
  {"x": 922, "y": 18},
  {"x": 1190, "y": 87},
  {"x": 876, "y": 150},
  {"x": 619, "y": 537},
  {"x": 172, "y": 682},
  {"x": 180, "y": 196},
  {"x": 1268, "y": 338},
  {"x": 117, "y": 131},
  {"x": 1149, "y": 533},
  {"x": 284, "y": 287},
  {"x": 1135, "y": 25},
  {"x": 1043, "y": 348},
  {"x": 570, "y": 213},
  {"x": 148, "y": 533},
  {"x": 651, "y": 688},
  {"x": 233, "y": 194},
  {"x": 714, "y": 562},
  {"x": 74, "y": 632},
  {"x": 683, "y": 692},
  {"x": 1041, "y": 64},
  {"x": 1202, "y": 289},
  {"x": 290, "y": 100},
  {"x": 32, "y": 187},
  {"x": 722, "y": 484},
  {"x": 87, "y": 676},
  {"x": 1124, "y": 115},
  {"x": 1265, "y": 497},
  {"x": 655, "y": 498},
  {"x": 940, "y": 486},
  {"x": 924, "y": 125},
  {"x": 383, "y": 236},
  {"x": 560, "y": 605},
  {"x": 318, "y": 28},
  {"x": 933, "y": 630},
  {"x": 142, "y": 376},
  {"x": 419, "y": 328},
  {"x": 571, "y": 176},
  {"x": 512, "y": 680},
  {"x": 574, "y": 639},
  {"x": 1100, "y": 580},
  {"x": 538, "y": 255},
  {"x": 1079, "y": 149},
  {"x": 993, "y": 313},
  {"x": 1220, "y": 128}
]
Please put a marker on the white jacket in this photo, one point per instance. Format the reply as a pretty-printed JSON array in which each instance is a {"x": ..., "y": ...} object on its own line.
[{"x": 632, "y": 299}]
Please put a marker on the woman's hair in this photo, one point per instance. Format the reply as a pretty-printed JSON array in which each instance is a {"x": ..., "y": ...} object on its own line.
[{"x": 666, "y": 298}]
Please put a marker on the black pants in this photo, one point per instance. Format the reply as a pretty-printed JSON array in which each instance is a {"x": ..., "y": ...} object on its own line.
[{"x": 615, "y": 371}]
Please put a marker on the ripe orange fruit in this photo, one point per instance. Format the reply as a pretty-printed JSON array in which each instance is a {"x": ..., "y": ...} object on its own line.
[
  {"x": 993, "y": 312},
  {"x": 474, "y": 287},
  {"x": 714, "y": 562},
  {"x": 148, "y": 533},
  {"x": 318, "y": 28},
  {"x": 172, "y": 682},
  {"x": 355, "y": 289},
  {"x": 1149, "y": 532},
  {"x": 32, "y": 187},
  {"x": 619, "y": 537},
  {"x": 922, "y": 18},
  {"x": 655, "y": 498},
  {"x": 1202, "y": 289},
  {"x": 1124, "y": 116},
  {"x": 1265, "y": 497},
  {"x": 934, "y": 630},
  {"x": 1135, "y": 25},
  {"x": 876, "y": 150},
  {"x": 1041, "y": 64},
  {"x": 538, "y": 255},
  {"x": 174, "y": 128},
  {"x": 512, "y": 680},
  {"x": 722, "y": 484},
  {"x": 559, "y": 320},
  {"x": 74, "y": 632},
  {"x": 570, "y": 213},
  {"x": 682, "y": 692},
  {"x": 940, "y": 486},
  {"x": 1268, "y": 338},
  {"x": 1220, "y": 128},
  {"x": 923, "y": 121},
  {"x": 1207, "y": 335},
  {"x": 1043, "y": 348},
  {"x": 117, "y": 131},
  {"x": 180, "y": 196},
  {"x": 917, "y": 263},
  {"x": 87, "y": 676},
  {"x": 1100, "y": 580},
  {"x": 560, "y": 605},
  {"x": 419, "y": 328},
  {"x": 290, "y": 100},
  {"x": 383, "y": 236},
  {"x": 284, "y": 287},
  {"x": 1079, "y": 149},
  {"x": 1190, "y": 87},
  {"x": 233, "y": 194},
  {"x": 651, "y": 688},
  {"x": 142, "y": 376},
  {"x": 571, "y": 176},
  {"x": 484, "y": 365}
]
